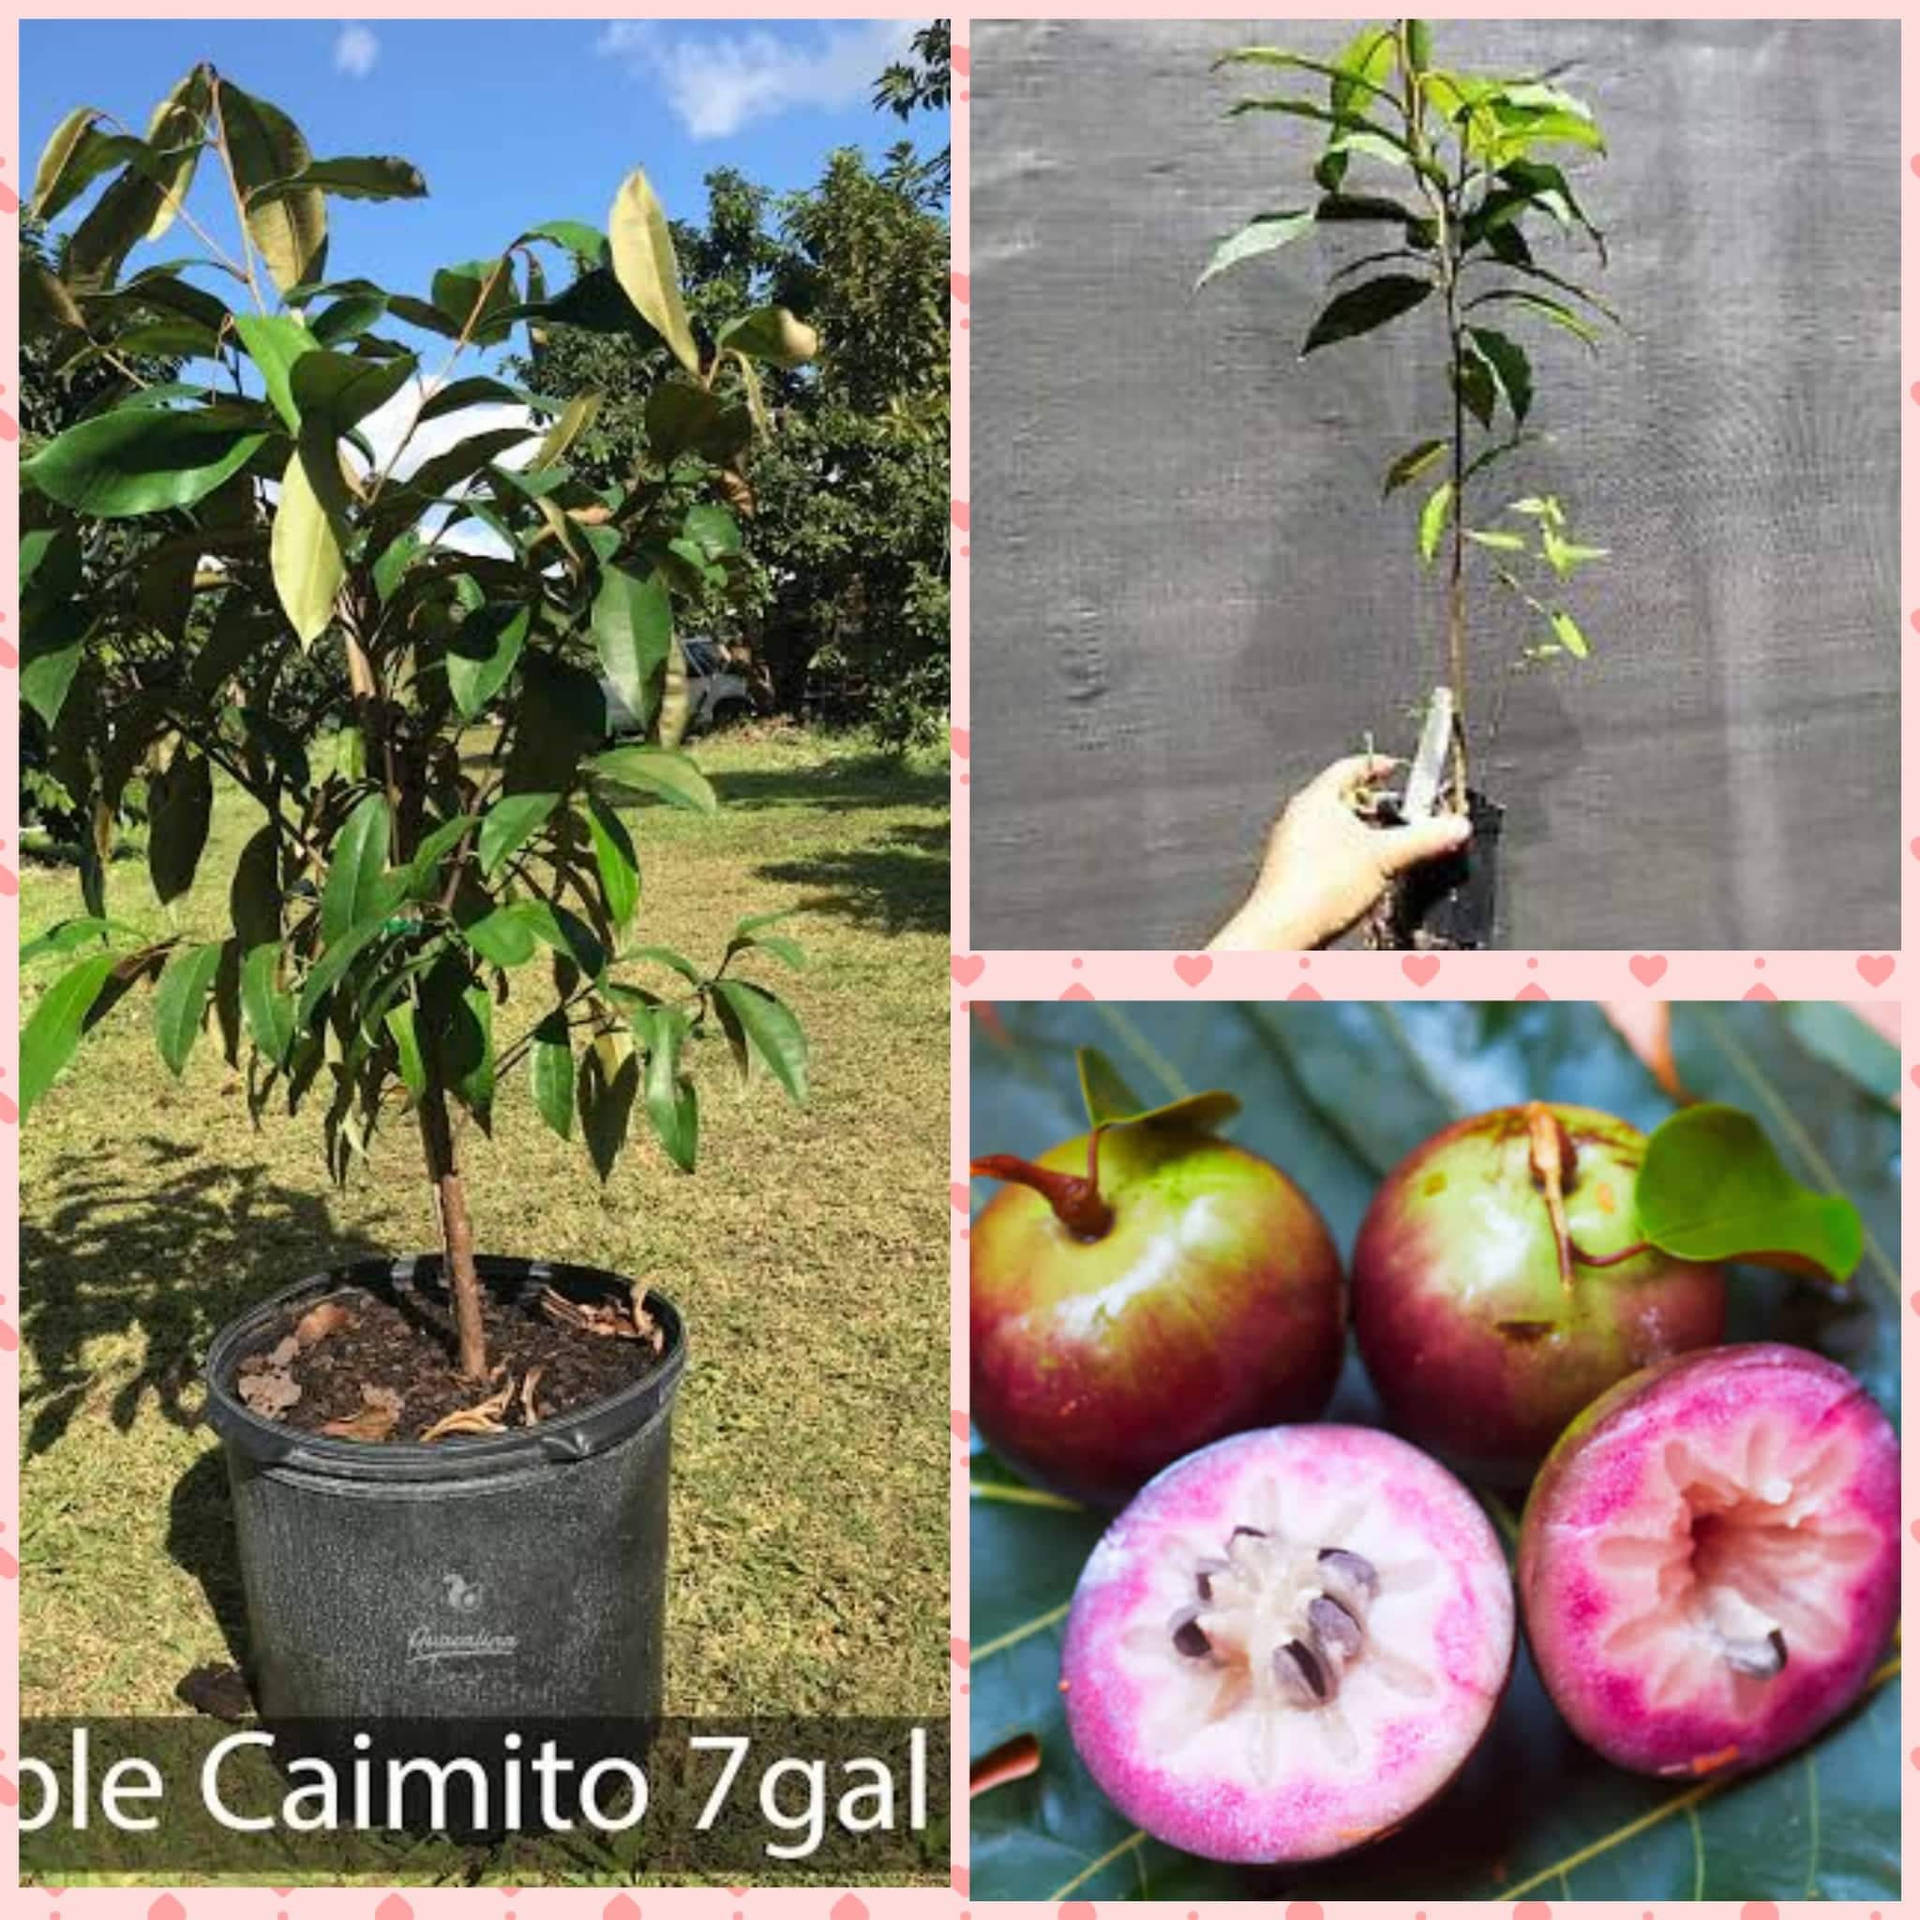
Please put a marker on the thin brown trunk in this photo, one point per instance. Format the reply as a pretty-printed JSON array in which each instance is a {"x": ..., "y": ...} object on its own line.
[{"x": 456, "y": 1230}]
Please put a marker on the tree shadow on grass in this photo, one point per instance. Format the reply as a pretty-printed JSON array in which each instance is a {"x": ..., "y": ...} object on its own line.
[
  {"x": 173, "y": 1256},
  {"x": 200, "y": 1539},
  {"x": 896, "y": 884},
  {"x": 837, "y": 786}
]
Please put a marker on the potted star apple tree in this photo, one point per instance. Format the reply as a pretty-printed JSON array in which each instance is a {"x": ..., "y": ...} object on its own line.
[{"x": 396, "y": 664}]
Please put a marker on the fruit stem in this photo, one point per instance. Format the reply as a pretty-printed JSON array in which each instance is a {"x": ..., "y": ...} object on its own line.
[
  {"x": 1074, "y": 1198},
  {"x": 1625, "y": 1254},
  {"x": 1550, "y": 1152}
]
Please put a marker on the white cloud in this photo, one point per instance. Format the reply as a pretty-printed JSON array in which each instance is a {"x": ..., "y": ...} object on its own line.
[
  {"x": 716, "y": 84},
  {"x": 355, "y": 51},
  {"x": 387, "y": 426}
]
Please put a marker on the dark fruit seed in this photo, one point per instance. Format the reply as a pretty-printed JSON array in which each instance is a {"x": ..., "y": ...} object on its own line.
[
  {"x": 1353, "y": 1567},
  {"x": 1190, "y": 1639},
  {"x": 1779, "y": 1641},
  {"x": 1305, "y": 1665},
  {"x": 1760, "y": 1658},
  {"x": 1258, "y": 1533},
  {"x": 1333, "y": 1626}
]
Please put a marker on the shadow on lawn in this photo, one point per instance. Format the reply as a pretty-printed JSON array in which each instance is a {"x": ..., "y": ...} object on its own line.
[
  {"x": 836, "y": 786},
  {"x": 896, "y": 884},
  {"x": 172, "y": 1255}
]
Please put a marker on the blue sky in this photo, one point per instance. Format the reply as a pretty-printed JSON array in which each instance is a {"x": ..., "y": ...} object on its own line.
[{"x": 512, "y": 122}]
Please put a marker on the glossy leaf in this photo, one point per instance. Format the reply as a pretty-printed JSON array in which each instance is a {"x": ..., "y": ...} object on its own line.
[
  {"x": 359, "y": 860},
  {"x": 773, "y": 1035},
  {"x": 268, "y": 1008},
  {"x": 274, "y": 341},
  {"x": 616, "y": 860},
  {"x": 660, "y": 771},
  {"x": 66, "y": 164},
  {"x": 336, "y": 391},
  {"x": 509, "y": 824},
  {"x": 54, "y": 1027},
  {"x": 1262, "y": 234},
  {"x": 409, "y": 1057},
  {"x": 481, "y": 655},
  {"x": 672, "y": 1104},
  {"x": 632, "y": 630},
  {"x": 288, "y": 229},
  {"x": 1713, "y": 1188},
  {"x": 1555, "y": 311},
  {"x": 138, "y": 460},
  {"x": 687, "y": 419},
  {"x": 645, "y": 266},
  {"x": 1363, "y": 308},
  {"x": 1478, "y": 388},
  {"x": 180, "y": 1002}
]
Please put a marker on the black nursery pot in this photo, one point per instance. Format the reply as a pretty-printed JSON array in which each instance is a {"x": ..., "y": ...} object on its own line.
[
  {"x": 517, "y": 1574},
  {"x": 1452, "y": 902}
]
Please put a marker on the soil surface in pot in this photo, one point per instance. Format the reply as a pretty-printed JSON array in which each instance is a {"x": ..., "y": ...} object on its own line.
[{"x": 357, "y": 1366}]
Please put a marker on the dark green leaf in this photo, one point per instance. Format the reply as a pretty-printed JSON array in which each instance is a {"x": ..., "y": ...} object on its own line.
[
  {"x": 1560, "y": 315},
  {"x": 1478, "y": 389},
  {"x": 180, "y": 1002},
  {"x": 482, "y": 652},
  {"x": 1361, "y": 309},
  {"x": 179, "y": 811},
  {"x": 268, "y": 1008},
  {"x": 609, "y": 1085},
  {"x": 139, "y": 460},
  {"x": 509, "y": 823},
  {"x": 356, "y": 869},
  {"x": 336, "y": 391},
  {"x": 54, "y": 1027},
  {"x": 672, "y": 1104},
  {"x": 772, "y": 1033},
  {"x": 1411, "y": 464},
  {"x": 618, "y": 864},
  {"x": 253, "y": 896},
  {"x": 550, "y": 1062},
  {"x": 688, "y": 419},
  {"x": 1510, "y": 366},
  {"x": 632, "y": 630}
]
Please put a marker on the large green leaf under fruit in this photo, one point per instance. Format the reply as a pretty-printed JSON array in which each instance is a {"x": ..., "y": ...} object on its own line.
[{"x": 1336, "y": 1094}]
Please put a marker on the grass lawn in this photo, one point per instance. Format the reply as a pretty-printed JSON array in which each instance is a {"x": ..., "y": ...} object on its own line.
[{"x": 810, "y": 1483}]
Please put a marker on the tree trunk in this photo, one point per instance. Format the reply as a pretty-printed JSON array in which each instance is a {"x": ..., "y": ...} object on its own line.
[{"x": 456, "y": 1230}]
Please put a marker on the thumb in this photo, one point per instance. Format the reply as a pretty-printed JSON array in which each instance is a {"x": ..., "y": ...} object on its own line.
[{"x": 1404, "y": 847}]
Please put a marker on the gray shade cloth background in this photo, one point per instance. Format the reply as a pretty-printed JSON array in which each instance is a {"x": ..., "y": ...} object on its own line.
[{"x": 1188, "y": 597}]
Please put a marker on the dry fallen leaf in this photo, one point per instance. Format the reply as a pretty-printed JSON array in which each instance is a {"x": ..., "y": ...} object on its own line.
[
  {"x": 267, "y": 1392},
  {"x": 379, "y": 1410},
  {"x": 526, "y": 1395},
  {"x": 317, "y": 1322},
  {"x": 483, "y": 1418}
]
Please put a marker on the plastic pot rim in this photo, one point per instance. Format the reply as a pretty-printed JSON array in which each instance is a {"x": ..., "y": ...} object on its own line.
[{"x": 576, "y": 1435}]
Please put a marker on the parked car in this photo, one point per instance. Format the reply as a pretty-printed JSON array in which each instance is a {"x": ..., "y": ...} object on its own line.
[{"x": 717, "y": 695}]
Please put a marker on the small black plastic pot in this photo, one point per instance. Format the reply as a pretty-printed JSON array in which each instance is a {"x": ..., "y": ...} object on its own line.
[
  {"x": 520, "y": 1574},
  {"x": 1451, "y": 902}
]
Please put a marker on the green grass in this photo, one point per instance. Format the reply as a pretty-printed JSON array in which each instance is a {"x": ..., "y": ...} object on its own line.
[{"x": 810, "y": 1482}]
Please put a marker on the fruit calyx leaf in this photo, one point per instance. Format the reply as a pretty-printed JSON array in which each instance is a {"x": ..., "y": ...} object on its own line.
[
  {"x": 1712, "y": 1188},
  {"x": 1110, "y": 1102}
]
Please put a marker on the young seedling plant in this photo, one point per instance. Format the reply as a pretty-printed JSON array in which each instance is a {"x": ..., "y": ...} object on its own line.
[
  {"x": 1475, "y": 187},
  {"x": 222, "y": 576}
]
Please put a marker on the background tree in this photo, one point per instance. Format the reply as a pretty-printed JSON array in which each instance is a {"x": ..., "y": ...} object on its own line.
[{"x": 843, "y": 605}]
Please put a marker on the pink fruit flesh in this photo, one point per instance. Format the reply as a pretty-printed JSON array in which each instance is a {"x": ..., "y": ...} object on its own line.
[
  {"x": 1709, "y": 1562},
  {"x": 1481, "y": 1347},
  {"x": 1288, "y": 1644},
  {"x": 1210, "y": 1301}
]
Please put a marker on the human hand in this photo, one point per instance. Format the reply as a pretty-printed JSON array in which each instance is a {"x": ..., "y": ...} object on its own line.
[{"x": 1325, "y": 866}]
